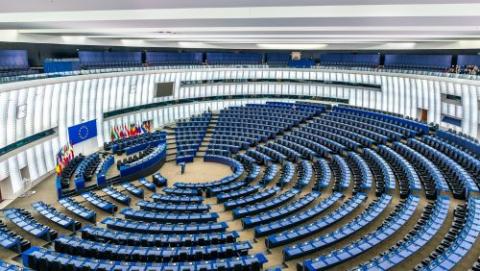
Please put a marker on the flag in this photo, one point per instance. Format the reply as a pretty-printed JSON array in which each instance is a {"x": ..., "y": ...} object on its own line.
[
  {"x": 117, "y": 132},
  {"x": 137, "y": 128},
  {"x": 71, "y": 154},
  {"x": 133, "y": 130},
  {"x": 144, "y": 129},
  {"x": 58, "y": 170},
  {"x": 147, "y": 125},
  {"x": 125, "y": 130}
]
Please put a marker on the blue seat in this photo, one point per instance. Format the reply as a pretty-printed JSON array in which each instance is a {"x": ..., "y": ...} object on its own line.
[
  {"x": 395, "y": 221},
  {"x": 361, "y": 221},
  {"x": 323, "y": 174},
  {"x": 171, "y": 207},
  {"x": 78, "y": 247},
  {"x": 296, "y": 219},
  {"x": 176, "y": 198},
  {"x": 168, "y": 217},
  {"x": 286, "y": 237},
  {"x": 50, "y": 259},
  {"x": 230, "y": 195},
  {"x": 288, "y": 172},
  {"x": 55, "y": 216},
  {"x": 78, "y": 209},
  {"x": 100, "y": 203},
  {"x": 25, "y": 221},
  {"x": 430, "y": 223},
  {"x": 150, "y": 186},
  {"x": 182, "y": 191},
  {"x": 251, "y": 199},
  {"x": 152, "y": 227},
  {"x": 263, "y": 206},
  {"x": 98, "y": 234},
  {"x": 117, "y": 196},
  {"x": 276, "y": 214},
  {"x": 11, "y": 240},
  {"x": 136, "y": 191}
]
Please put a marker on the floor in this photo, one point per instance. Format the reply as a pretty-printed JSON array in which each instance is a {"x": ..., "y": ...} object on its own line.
[{"x": 197, "y": 172}]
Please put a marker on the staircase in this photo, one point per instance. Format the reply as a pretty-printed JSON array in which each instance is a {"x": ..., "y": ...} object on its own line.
[{"x": 208, "y": 136}]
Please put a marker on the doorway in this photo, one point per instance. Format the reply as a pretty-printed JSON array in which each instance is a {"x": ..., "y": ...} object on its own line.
[{"x": 422, "y": 114}]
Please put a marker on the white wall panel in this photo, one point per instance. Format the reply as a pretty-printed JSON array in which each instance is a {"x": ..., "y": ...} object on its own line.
[{"x": 64, "y": 102}]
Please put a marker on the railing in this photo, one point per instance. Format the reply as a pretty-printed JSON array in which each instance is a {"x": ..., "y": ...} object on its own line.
[
  {"x": 37, "y": 76},
  {"x": 153, "y": 68},
  {"x": 27, "y": 140},
  {"x": 405, "y": 71}
]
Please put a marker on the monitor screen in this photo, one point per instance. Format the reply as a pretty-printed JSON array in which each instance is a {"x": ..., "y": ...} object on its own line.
[{"x": 164, "y": 89}]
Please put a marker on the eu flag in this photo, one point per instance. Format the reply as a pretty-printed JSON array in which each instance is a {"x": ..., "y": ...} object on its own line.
[{"x": 82, "y": 131}]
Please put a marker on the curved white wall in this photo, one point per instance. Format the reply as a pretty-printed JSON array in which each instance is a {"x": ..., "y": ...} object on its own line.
[{"x": 63, "y": 102}]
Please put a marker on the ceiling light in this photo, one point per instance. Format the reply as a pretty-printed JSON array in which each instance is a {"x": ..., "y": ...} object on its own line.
[
  {"x": 187, "y": 44},
  {"x": 400, "y": 45},
  {"x": 132, "y": 42},
  {"x": 285, "y": 46},
  {"x": 73, "y": 39}
]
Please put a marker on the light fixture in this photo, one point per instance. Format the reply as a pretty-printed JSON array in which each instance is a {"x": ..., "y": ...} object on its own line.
[
  {"x": 293, "y": 46},
  {"x": 74, "y": 39},
  {"x": 132, "y": 42},
  {"x": 188, "y": 44},
  {"x": 401, "y": 45}
]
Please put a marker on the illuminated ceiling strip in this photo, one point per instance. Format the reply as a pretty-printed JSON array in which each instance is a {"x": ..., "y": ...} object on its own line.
[
  {"x": 352, "y": 11},
  {"x": 250, "y": 29}
]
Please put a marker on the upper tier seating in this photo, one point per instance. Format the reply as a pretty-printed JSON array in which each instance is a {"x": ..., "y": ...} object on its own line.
[
  {"x": 173, "y": 58},
  {"x": 107, "y": 59},
  {"x": 348, "y": 59},
  {"x": 214, "y": 58}
]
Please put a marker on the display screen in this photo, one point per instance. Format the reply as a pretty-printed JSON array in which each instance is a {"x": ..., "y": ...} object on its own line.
[{"x": 164, "y": 89}]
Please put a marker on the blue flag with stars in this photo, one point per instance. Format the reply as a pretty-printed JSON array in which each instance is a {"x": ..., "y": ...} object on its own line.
[{"x": 82, "y": 131}]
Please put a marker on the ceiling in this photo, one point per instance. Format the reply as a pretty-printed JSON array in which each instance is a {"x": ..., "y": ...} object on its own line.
[{"x": 246, "y": 24}]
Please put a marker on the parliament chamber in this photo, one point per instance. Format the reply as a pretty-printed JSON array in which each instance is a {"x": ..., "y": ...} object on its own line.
[{"x": 197, "y": 154}]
